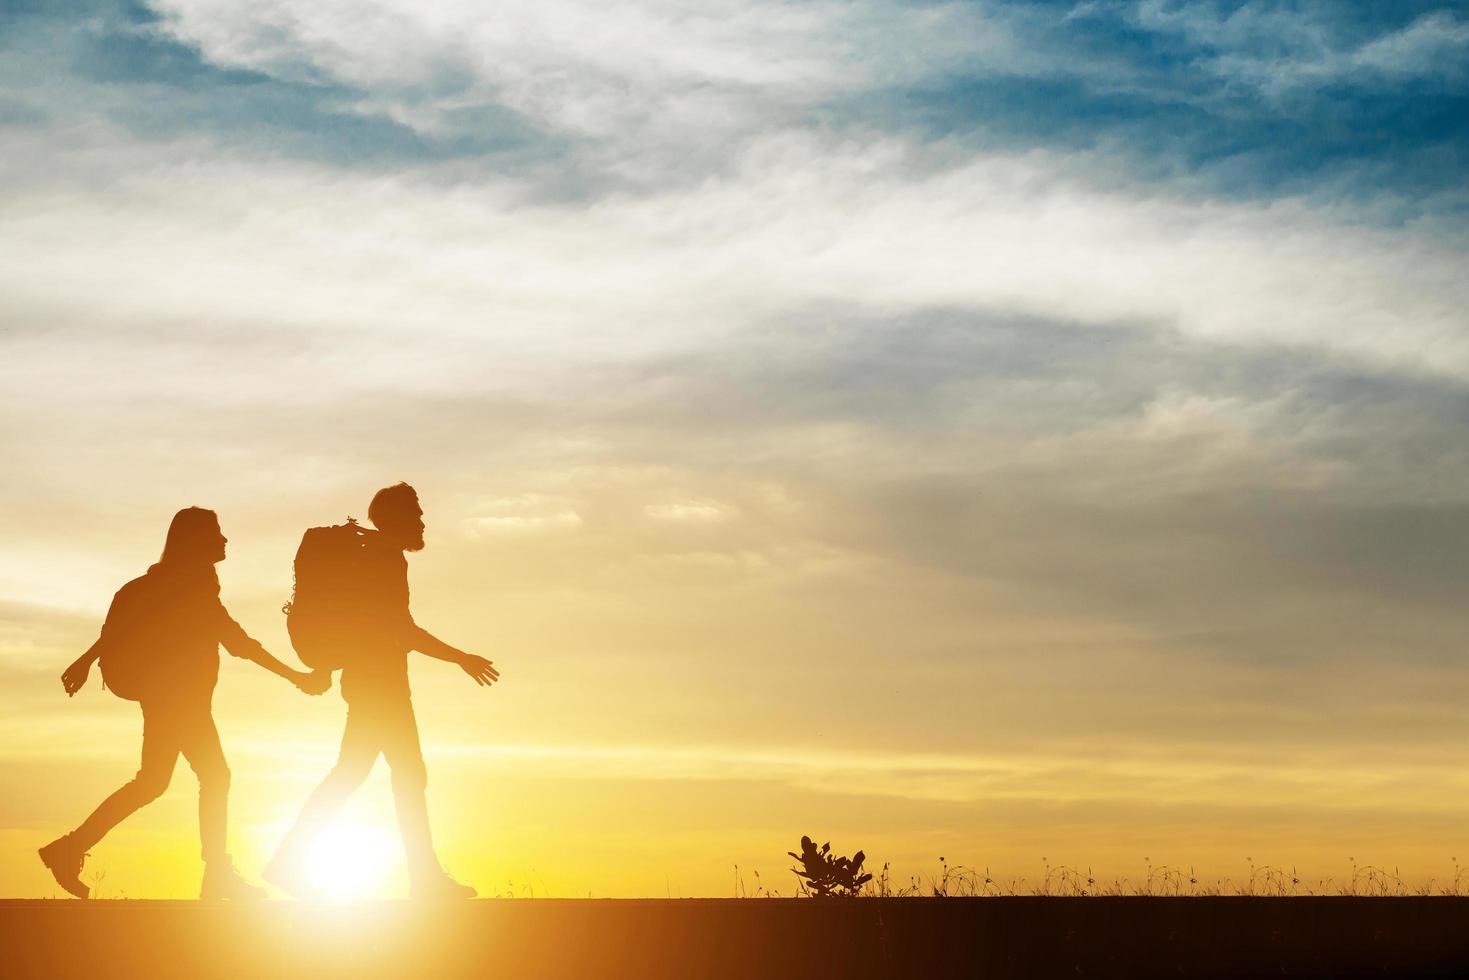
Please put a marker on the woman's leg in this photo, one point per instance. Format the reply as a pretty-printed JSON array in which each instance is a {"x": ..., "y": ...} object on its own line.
[
  {"x": 200, "y": 745},
  {"x": 199, "y": 742},
  {"x": 161, "y": 731}
]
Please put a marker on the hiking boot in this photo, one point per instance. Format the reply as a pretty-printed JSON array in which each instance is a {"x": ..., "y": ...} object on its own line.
[
  {"x": 290, "y": 877},
  {"x": 65, "y": 861},
  {"x": 439, "y": 887},
  {"x": 222, "y": 883}
]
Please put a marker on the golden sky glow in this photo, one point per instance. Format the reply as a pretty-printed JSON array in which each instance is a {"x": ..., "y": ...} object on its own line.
[{"x": 819, "y": 442}]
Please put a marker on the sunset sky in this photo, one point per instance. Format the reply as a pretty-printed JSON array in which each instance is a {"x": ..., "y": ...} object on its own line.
[{"x": 1002, "y": 430}]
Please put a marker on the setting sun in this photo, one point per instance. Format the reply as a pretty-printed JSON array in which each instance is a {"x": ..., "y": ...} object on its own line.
[{"x": 353, "y": 860}]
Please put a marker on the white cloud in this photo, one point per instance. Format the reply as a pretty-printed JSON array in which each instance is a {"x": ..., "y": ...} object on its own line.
[
  {"x": 691, "y": 511},
  {"x": 1436, "y": 43},
  {"x": 620, "y": 70},
  {"x": 527, "y": 513},
  {"x": 353, "y": 265},
  {"x": 1281, "y": 49}
]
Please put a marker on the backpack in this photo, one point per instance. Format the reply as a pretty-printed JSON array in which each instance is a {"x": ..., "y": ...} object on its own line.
[
  {"x": 131, "y": 638},
  {"x": 325, "y": 615}
]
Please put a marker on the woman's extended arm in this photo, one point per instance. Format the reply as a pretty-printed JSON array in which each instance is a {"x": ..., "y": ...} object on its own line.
[
  {"x": 241, "y": 644},
  {"x": 73, "y": 677}
]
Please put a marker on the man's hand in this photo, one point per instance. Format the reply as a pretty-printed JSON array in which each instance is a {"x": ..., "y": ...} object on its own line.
[
  {"x": 314, "y": 683},
  {"x": 483, "y": 671},
  {"x": 76, "y": 675}
]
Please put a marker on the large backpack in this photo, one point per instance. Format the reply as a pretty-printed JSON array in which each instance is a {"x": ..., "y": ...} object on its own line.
[
  {"x": 326, "y": 617},
  {"x": 132, "y": 638}
]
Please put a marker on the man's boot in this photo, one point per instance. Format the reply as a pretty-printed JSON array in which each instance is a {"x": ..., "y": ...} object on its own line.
[
  {"x": 287, "y": 871},
  {"x": 432, "y": 884}
]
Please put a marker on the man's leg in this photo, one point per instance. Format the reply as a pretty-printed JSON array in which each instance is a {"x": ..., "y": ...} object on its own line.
[
  {"x": 64, "y": 855},
  {"x": 360, "y": 747},
  {"x": 410, "y": 784}
]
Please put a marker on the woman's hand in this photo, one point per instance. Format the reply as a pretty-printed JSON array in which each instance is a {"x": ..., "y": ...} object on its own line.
[
  {"x": 73, "y": 677},
  {"x": 314, "y": 683}
]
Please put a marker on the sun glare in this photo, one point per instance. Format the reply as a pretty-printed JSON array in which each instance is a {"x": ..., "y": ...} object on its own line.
[{"x": 351, "y": 861}]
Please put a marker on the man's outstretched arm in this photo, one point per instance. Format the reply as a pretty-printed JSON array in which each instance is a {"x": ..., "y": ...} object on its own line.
[{"x": 481, "y": 670}]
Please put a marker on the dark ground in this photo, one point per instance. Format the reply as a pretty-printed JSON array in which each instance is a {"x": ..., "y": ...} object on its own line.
[{"x": 747, "y": 938}]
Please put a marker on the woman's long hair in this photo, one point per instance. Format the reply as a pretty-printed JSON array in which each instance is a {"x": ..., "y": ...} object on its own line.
[{"x": 190, "y": 534}]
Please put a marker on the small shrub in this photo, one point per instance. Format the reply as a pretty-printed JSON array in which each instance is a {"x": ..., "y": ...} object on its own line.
[{"x": 824, "y": 875}]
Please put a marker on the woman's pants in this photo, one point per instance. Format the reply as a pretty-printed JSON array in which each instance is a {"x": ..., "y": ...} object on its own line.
[{"x": 170, "y": 728}]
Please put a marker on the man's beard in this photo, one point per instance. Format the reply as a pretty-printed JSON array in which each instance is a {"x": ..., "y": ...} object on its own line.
[{"x": 415, "y": 543}]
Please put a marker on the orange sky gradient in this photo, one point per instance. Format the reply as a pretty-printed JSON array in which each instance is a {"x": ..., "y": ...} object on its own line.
[{"x": 832, "y": 419}]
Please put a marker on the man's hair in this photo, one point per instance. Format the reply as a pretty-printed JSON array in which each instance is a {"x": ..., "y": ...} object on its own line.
[
  {"x": 389, "y": 499},
  {"x": 189, "y": 527}
]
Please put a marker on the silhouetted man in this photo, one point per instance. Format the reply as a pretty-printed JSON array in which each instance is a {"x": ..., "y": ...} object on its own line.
[
  {"x": 168, "y": 625},
  {"x": 380, "y": 716}
]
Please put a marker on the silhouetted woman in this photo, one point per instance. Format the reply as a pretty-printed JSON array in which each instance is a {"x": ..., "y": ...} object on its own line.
[{"x": 168, "y": 625}]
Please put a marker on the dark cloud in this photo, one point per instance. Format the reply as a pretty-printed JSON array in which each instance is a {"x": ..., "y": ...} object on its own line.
[
  {"x": 1341, "y": 484},
  {"x": 1404, "y": 151},
  {"x": 1251, "y": 100},
  {"x": 114, "y": 59},
  {"x": 1316, "y": 509},
  {"x": 1246, "y": 100}
]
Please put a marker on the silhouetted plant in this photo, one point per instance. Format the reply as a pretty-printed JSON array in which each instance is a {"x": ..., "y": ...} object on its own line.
[
  {"x": 95, "y": 878},
  {"x": 1455, "y": 886},
  {"x": 525, "y": 889},
  {"x": 1163, "y": 880},
  {"x": 959, "y": 881},
  {"x": 1374, "y": 882},
  {"x": 1061, "y": 880},
  {"x": 826, "y": 876},
  {"x": 1273, "y": 882},
  {"x": 823, "y": 874}
]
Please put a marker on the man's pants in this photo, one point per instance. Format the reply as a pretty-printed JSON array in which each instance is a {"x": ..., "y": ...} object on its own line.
[
  {"x": 383, "y": 724},
  {"x": 170, "y": 728}
]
